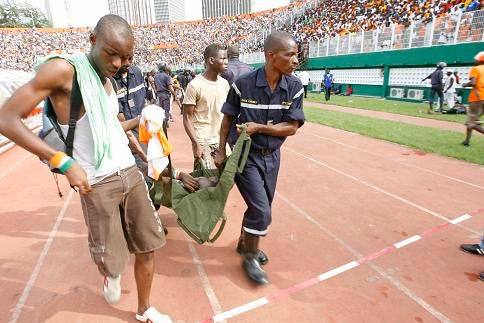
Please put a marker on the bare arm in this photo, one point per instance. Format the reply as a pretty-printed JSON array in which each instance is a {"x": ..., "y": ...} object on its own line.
[
  {"x": 471, "y": 83},
  {"x": 133, "y": 141},
  {"x": 130, "y": 124},
  {"x": 172, "y": 91},
  {"x": 188, "y": 112},
  {"x": 51, "y": 77},
  {"x": 282, "y": 129},
  {"x": 224, "y": 134},
  {"x": 54, "y": 75}
]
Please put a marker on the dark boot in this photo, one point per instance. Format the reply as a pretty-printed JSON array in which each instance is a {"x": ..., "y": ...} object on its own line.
[
  {"x": 250, "y": 263},
  {"x": 261, "y": 255}
]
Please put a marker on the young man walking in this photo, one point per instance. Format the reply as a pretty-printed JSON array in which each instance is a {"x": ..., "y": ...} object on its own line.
[
  {"x": 112, "y": 190},
  {"x": 202, "y": 105},
  {"x": 476, "y": 98}
]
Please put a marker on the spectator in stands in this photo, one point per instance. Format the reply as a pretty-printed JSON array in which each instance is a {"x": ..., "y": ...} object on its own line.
[
  {"x": 304, "y": 20},
  {"x": 476, "y": 98},
  {"x": 304, "y": 77},
  {"x": 436, "y": 81},
  {"x": 449, "y": 89},
  {"x": 202, "y": 106},
  {"x": 328, "y": 81},
  {"x": 235, "y": 67}
]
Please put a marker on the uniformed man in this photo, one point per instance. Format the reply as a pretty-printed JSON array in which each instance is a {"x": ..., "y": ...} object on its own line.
[
  {"x": 269, "y": 102},
  {"x": 164, "y": 90},
  {"x": 130, "y": 90},
  {"x": 235, "y": 67}
]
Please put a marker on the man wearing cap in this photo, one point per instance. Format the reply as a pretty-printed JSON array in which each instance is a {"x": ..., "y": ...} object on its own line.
[
  {"x": 476, "y": 98},
  {"x": 436, "y": 78},
  {"x": 449, "y": 89}
]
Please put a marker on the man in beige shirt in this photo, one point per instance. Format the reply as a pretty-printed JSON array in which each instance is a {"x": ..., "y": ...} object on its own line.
[{"x": 204, "y": 98}]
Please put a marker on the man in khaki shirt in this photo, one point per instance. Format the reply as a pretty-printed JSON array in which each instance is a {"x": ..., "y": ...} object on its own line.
[{"x": 204, "y": 98}]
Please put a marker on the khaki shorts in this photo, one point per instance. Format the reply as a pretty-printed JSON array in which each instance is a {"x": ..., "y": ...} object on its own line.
[
  {"x": 474, "y": 114},
  {"x": 120, "y": 219},
  {"x": 209, "y": 152}
]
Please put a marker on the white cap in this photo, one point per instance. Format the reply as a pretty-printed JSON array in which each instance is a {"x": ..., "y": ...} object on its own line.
[
  {"x": 449, "y": 71},
  {"x": 479, "y": 57}
]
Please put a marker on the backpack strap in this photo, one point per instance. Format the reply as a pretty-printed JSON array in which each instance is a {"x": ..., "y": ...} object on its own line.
[{"x": 76, "y": 102}]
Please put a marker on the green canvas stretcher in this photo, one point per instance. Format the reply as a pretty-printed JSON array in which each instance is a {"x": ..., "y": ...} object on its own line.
[{"x": 199, "y": 213}]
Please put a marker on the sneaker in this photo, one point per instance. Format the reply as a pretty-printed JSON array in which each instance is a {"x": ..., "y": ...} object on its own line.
[
  {"x": 473, "y": 248},
  {"x": 151, "y": 315},
  {"x": 112, "y": 289},
  {"x": 465, "y": 143},
  {"x": 481, "y": 276}
]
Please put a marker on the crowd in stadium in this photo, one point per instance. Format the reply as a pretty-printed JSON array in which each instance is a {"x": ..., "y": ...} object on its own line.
[
  {"x": 183, "y": 43},
  {"x": 343, "y": 17}
]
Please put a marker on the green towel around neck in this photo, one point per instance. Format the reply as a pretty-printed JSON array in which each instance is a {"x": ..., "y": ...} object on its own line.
[{"x": 101, "y": 118}]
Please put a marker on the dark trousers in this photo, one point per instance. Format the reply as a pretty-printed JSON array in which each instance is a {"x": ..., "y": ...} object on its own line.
[
  {"x": 440, "y": 93},
  {"x": 305, "y": 91},
  {"x": 327, "y": 93},
  {"x": 257, "y": 185},
  {"x": 164, "y": 102}
]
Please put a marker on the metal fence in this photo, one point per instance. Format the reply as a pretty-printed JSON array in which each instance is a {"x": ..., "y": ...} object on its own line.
[{"x": 445, "y": 30}]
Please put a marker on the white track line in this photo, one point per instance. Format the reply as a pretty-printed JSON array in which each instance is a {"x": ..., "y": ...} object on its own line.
[
  {"x": 17, "y": 310},
  {"x": 376, "y": 188},
  {"x": 408, "y": 241},
  {"x": 397, "y": 161},
  {"x": 14, "y": 165},
  {"x": 397, "y": 284},
  {"x": 207, "y": 287},
  {"x": 241, "y": 309},
  {"x": 339, "y": 270},
  {"x": 460, "y": 219}
]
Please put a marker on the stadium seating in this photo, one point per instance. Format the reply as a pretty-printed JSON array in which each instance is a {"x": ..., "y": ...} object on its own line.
[{"x": 182, "y": 44}]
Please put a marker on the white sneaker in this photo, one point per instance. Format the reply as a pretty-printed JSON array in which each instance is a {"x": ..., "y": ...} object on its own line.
[
  {"x": 151, "y": 315},
  {"x": 112, "y": 289}
]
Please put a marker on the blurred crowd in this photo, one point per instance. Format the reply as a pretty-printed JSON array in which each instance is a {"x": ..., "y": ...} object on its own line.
[
  {"x": 182, "y": 44},
  {"x": 341, "y": 17}
]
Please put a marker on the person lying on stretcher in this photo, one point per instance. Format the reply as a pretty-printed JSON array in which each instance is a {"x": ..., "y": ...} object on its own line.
[{"x": 191, "y": 184}]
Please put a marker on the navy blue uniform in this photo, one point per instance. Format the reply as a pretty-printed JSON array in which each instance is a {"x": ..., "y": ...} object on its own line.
[
  {"x": 235, "y": 69},
  {"x": 131, "y": 93},
  {"x": 162, "y": 84},
  {"x": 250, "y": 100}
]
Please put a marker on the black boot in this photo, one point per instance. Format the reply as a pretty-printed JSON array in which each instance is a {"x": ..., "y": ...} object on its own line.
[
  {"x": 250, "y": 263},
  {"x": 261, "y": 255}
]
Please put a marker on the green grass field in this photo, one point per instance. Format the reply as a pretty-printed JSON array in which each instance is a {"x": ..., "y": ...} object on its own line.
[
  {"x": 390, "y": 106},
  {"x": 442, "y": 142}
]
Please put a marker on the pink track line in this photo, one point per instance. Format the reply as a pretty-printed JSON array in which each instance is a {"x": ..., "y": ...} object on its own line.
[{"x": 315, "y": 280}]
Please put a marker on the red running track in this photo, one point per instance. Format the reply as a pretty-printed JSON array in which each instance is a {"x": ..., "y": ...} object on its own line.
[{"x": 363, "y": 230}]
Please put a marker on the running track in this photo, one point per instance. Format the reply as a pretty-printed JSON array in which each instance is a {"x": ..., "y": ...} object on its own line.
[{"x": 363, "y": 232}]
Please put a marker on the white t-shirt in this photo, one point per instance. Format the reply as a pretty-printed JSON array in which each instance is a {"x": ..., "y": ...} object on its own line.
[
  {"x": 447, "y": 82},
  {"x": 83, "y": 151},
  {"x": 304, "y": 77},
  {"x": 208, "y": 98}
]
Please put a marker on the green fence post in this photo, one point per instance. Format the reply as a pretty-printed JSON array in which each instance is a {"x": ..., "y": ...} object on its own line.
[{"x": 386, "y": 78}]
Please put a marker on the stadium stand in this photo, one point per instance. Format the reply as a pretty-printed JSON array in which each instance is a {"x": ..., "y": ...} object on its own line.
[{"x": 329, "y": 24}]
